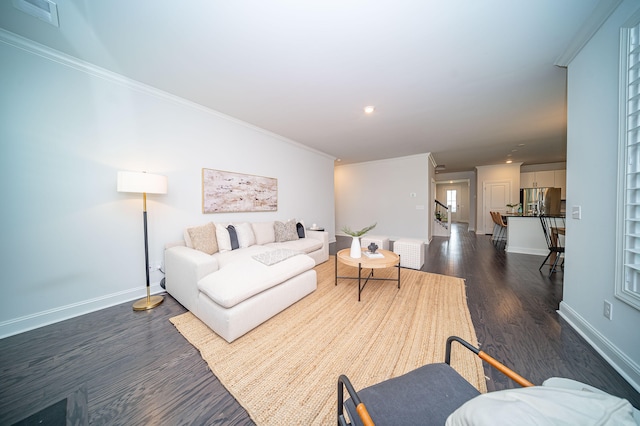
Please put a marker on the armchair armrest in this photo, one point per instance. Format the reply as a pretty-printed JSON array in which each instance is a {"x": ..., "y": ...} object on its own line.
[{"x": 365, "y": 418}]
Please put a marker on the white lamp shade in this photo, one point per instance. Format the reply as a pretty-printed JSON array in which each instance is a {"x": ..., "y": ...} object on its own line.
[{"x": 142, "y": 182}]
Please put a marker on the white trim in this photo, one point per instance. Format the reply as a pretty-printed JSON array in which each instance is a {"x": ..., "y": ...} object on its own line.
[
  {"x": 386, "y": 160},
  {"x": 526, "y": 250},
  {"x": 45, "y": 52},
  {"x": 40, "y": 319},
  {"x": 433, "y": 161},
  {"x": 600, "y": 14},
  {"x": 623, "y": 272},
  {"x": 620, "y": 362}
]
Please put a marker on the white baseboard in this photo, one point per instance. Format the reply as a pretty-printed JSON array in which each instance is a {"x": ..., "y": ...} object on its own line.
[
  {"x": 527, "y": 250},
  {"x": 624, "y": 365},
  {"x": 41, "y": 319}
]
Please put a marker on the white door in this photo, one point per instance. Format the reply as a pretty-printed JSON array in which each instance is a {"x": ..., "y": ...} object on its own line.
[
  {"x": 496, "y": 197},
  {"x": 452, "y": 195}
]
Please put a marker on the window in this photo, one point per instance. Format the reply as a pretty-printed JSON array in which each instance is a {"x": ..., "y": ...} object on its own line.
[
  {"x": 628, "y": 220},
  {"x": 451, "y": 199}
]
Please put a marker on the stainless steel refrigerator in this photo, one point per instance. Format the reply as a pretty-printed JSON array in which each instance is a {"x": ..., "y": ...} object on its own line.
[{"x": 539, "y": 201}]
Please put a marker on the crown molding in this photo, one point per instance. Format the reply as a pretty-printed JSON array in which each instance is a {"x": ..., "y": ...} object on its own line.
[
  {"x": 600, "y": 14},
  {"x": 30, "y": 46}
]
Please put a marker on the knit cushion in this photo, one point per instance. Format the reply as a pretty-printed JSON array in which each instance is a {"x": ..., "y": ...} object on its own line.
[
  {"x": 285, "y": 231},
  {"x": 203, "y": 238}
]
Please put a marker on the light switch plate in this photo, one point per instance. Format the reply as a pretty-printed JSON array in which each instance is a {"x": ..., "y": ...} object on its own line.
[{"x": 576, "y": 212}]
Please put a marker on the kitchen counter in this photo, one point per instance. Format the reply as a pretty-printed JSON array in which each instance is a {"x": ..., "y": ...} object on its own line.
[{"x": 525, "y": 235}]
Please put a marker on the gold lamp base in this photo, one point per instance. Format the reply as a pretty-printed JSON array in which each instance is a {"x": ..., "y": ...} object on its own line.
[{"x": 147, "y": 303}]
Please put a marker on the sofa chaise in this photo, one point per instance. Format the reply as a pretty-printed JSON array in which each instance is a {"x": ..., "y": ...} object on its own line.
[{"x": 235, "y": 276}]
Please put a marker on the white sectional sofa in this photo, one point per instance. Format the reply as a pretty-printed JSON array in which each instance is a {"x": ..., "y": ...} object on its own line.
[{"x": 234, "y": 280}]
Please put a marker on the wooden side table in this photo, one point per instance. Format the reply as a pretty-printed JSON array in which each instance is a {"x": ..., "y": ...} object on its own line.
[{"x": 389, "y": 259}]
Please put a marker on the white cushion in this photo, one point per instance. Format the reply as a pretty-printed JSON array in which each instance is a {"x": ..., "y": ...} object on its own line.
[
  {"x": 239, "y": 281},
  {"x": 241, "y": 255},
  {"x": 245, "y": 234},
  {"x": 187, "y": 237},
  {"x": 542, "y": 405},
  {"x": 222, "y": 235},
  {"x": 264, "y": 232},
  {"x": 305, "y": 245}
]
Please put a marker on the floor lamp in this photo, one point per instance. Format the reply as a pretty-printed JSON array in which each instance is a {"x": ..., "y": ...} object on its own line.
[{"x": 145, "y": 183}]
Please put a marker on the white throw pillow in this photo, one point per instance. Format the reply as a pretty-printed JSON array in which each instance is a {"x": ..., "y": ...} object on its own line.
[
  {"x": 263, "y": 232},
  {"x": 222, "y": 235},
  {"x": 245, "y": 234},
  {"x": 542, "y": 405}
]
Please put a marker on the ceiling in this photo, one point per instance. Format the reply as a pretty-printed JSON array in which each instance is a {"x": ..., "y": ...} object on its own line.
[{"x": 472, "y": 82}]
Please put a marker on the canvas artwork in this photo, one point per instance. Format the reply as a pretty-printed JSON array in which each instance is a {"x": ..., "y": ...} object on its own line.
[{"x": 224, "y": 192}]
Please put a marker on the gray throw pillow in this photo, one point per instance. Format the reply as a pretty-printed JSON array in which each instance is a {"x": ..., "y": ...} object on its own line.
[{"x": 285, "y": 231}]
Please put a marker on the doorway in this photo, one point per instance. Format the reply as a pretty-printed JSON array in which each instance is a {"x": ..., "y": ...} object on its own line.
[{"x": 457, "y": 195}]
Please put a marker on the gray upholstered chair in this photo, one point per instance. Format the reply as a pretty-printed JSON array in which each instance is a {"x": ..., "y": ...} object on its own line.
[{"x": 425, "y": 396}]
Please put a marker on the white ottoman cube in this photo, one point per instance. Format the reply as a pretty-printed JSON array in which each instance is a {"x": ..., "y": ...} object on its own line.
[
  {"x": 411, "y": 253},
  {"x": 381, "y": 240}
]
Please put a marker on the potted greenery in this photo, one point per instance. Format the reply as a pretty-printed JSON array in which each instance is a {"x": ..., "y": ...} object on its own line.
[
  {"x": 512, "y": 206},
  {"x": 356, "y": 251}
]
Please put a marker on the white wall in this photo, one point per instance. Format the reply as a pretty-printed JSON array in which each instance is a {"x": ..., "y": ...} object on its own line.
[
  {"x": 71, "y": 243},
  {"x": 381, "y": 192},
  {"x": 492, "y": 174},
  {"x": 591, "y": 183}
]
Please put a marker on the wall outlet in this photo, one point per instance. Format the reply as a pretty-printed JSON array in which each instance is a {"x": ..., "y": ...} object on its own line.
[
  {"x": 607, "y": 310},
  {"x": 155, "y": 266}
]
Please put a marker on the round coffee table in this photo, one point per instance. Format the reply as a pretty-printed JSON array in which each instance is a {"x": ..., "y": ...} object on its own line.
[{"x": 389, "y": 259}]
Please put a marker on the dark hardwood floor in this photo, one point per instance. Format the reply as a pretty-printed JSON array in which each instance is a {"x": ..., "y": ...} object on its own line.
[
  {"x": 135, "y": 368},
  {"x": 513, "y": 307}
]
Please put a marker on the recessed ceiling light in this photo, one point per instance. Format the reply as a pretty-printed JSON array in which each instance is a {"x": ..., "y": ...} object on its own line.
[
  {"x": 509, "y": 161},
  {"x": 369, "y": 109}
]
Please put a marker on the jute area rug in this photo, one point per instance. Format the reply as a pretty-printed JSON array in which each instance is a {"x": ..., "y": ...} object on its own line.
[{"x": 285, "y": 371}]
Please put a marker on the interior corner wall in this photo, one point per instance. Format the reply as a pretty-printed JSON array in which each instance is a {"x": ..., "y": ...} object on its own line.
[
  {"x": 71, "y": 243},
  {"x": 592, "y": 162},
  {"x": 393, "y": 193}
]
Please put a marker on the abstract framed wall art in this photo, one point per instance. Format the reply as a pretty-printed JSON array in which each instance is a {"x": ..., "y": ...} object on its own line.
[{"x": 224, "y": 192}]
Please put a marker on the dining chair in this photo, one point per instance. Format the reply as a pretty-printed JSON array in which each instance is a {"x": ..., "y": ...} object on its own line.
[
  {"x": 499, "y": 228},
  {"x": 554, "y": 234}
]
